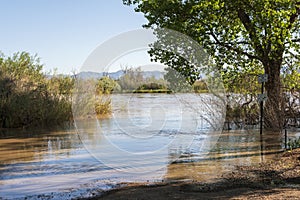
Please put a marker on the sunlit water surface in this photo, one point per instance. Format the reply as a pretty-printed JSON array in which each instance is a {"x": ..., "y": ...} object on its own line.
[{"x": 69, "y": 163}]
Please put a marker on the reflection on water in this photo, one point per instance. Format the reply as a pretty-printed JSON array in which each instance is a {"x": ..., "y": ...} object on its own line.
[
  {"x": 59, "y": 162},
  {"x": 240, "y": 147},
  {"x": 149, "y": 131}
]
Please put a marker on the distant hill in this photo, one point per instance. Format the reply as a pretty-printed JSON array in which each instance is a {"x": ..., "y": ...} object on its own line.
[
  {"x": 88, "y": 75},
  {"x": 116, "y": 75}
]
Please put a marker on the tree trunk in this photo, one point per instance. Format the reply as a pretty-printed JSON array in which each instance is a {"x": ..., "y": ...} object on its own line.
[{"x": 274, "y": 109}]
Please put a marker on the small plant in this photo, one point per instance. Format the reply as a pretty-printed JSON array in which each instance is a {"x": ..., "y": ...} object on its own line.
[
  {"x": 293, "y": 143},
  {"x": 103, "y": 106}
]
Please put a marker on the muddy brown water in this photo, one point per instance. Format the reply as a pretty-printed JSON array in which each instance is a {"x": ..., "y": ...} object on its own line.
[{"x": 77, "y": 162}]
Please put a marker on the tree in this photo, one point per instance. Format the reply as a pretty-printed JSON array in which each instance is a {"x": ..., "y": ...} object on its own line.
[
  {"x": 236, "y": 33},
  {"x": 132, "y": 79},
  {"x": 105, "y": 85},
  {"x": 177, "y": 82}
]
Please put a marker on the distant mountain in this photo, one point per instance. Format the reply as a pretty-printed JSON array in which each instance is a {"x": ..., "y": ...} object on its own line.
[
  {"x": 116, "y": 75},
  {"x": 88, "y": 75}
]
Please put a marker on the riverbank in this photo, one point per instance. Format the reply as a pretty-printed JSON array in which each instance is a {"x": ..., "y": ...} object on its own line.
[{"x": 277, "y": 179}]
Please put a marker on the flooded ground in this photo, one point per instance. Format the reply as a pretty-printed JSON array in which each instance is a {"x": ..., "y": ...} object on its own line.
[{"x": 82, "y": 162}]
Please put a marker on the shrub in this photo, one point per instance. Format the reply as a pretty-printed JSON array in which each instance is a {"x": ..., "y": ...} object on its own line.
[
  {"x": 28, "y": 97},
  {"x": 293, "y": 143}
]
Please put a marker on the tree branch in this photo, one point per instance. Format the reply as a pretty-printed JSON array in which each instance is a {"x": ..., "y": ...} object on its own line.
[
  {"x": 226, "y": 45},
  {"x": 295, "y": 55},
  {"x": 296, "y": 40},
  {"x": 232, "y": 43},
  {"x": 293, "y": 40},
  {"x": 245, "y": 19},
  {"x": 294, "y": 16}
]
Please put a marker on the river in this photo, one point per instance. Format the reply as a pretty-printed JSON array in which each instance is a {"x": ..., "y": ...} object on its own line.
[{"x": 149, "y": 138}]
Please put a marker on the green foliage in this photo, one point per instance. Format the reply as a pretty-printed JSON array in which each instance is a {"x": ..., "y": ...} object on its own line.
[
  {"x": 103, "y": 105},
  {"x": 235, "y": 32},
  {"x": 242, "y": 81},
  {"x": 28, "y": 97},
  {"x": 92, "y": 97},
  {"x": 151, "y": 86},
  {"x": 242, "y": 35},
  {"x": 60, "y": 85},
  {"x": 131, "y": 79},
  {"x": 176, "y": 81},
  {"x": 154, "y": 91},
  {"x": 293, "y": 143},
  {"x": 106, "y": 85},
  {"x": 291, "y": 77},
  {"x": 200, "y": 87}
]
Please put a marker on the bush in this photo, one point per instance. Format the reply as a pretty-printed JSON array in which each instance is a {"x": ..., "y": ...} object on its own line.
[
  {"x": 106, "y": 85},
  {"x": 103, "y": 106},
  {"x": 200, "y": 87},
  {"x": 293, "y": 143},
  {"x": 28, "y": 97},
  {"x": 151, "y": 86}
]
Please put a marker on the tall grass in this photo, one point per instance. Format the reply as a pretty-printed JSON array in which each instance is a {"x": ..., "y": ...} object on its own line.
[{"x": 28, "y": 98}]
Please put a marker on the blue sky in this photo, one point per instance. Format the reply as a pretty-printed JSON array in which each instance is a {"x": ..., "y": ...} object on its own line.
[{"x": 63, "y": 32}]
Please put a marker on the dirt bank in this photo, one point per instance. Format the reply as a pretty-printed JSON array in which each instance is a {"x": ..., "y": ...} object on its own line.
[{"x": 278, "y": 179}]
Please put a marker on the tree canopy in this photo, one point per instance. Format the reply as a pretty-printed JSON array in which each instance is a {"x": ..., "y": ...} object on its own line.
[{"x": 239, "y": 35}]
